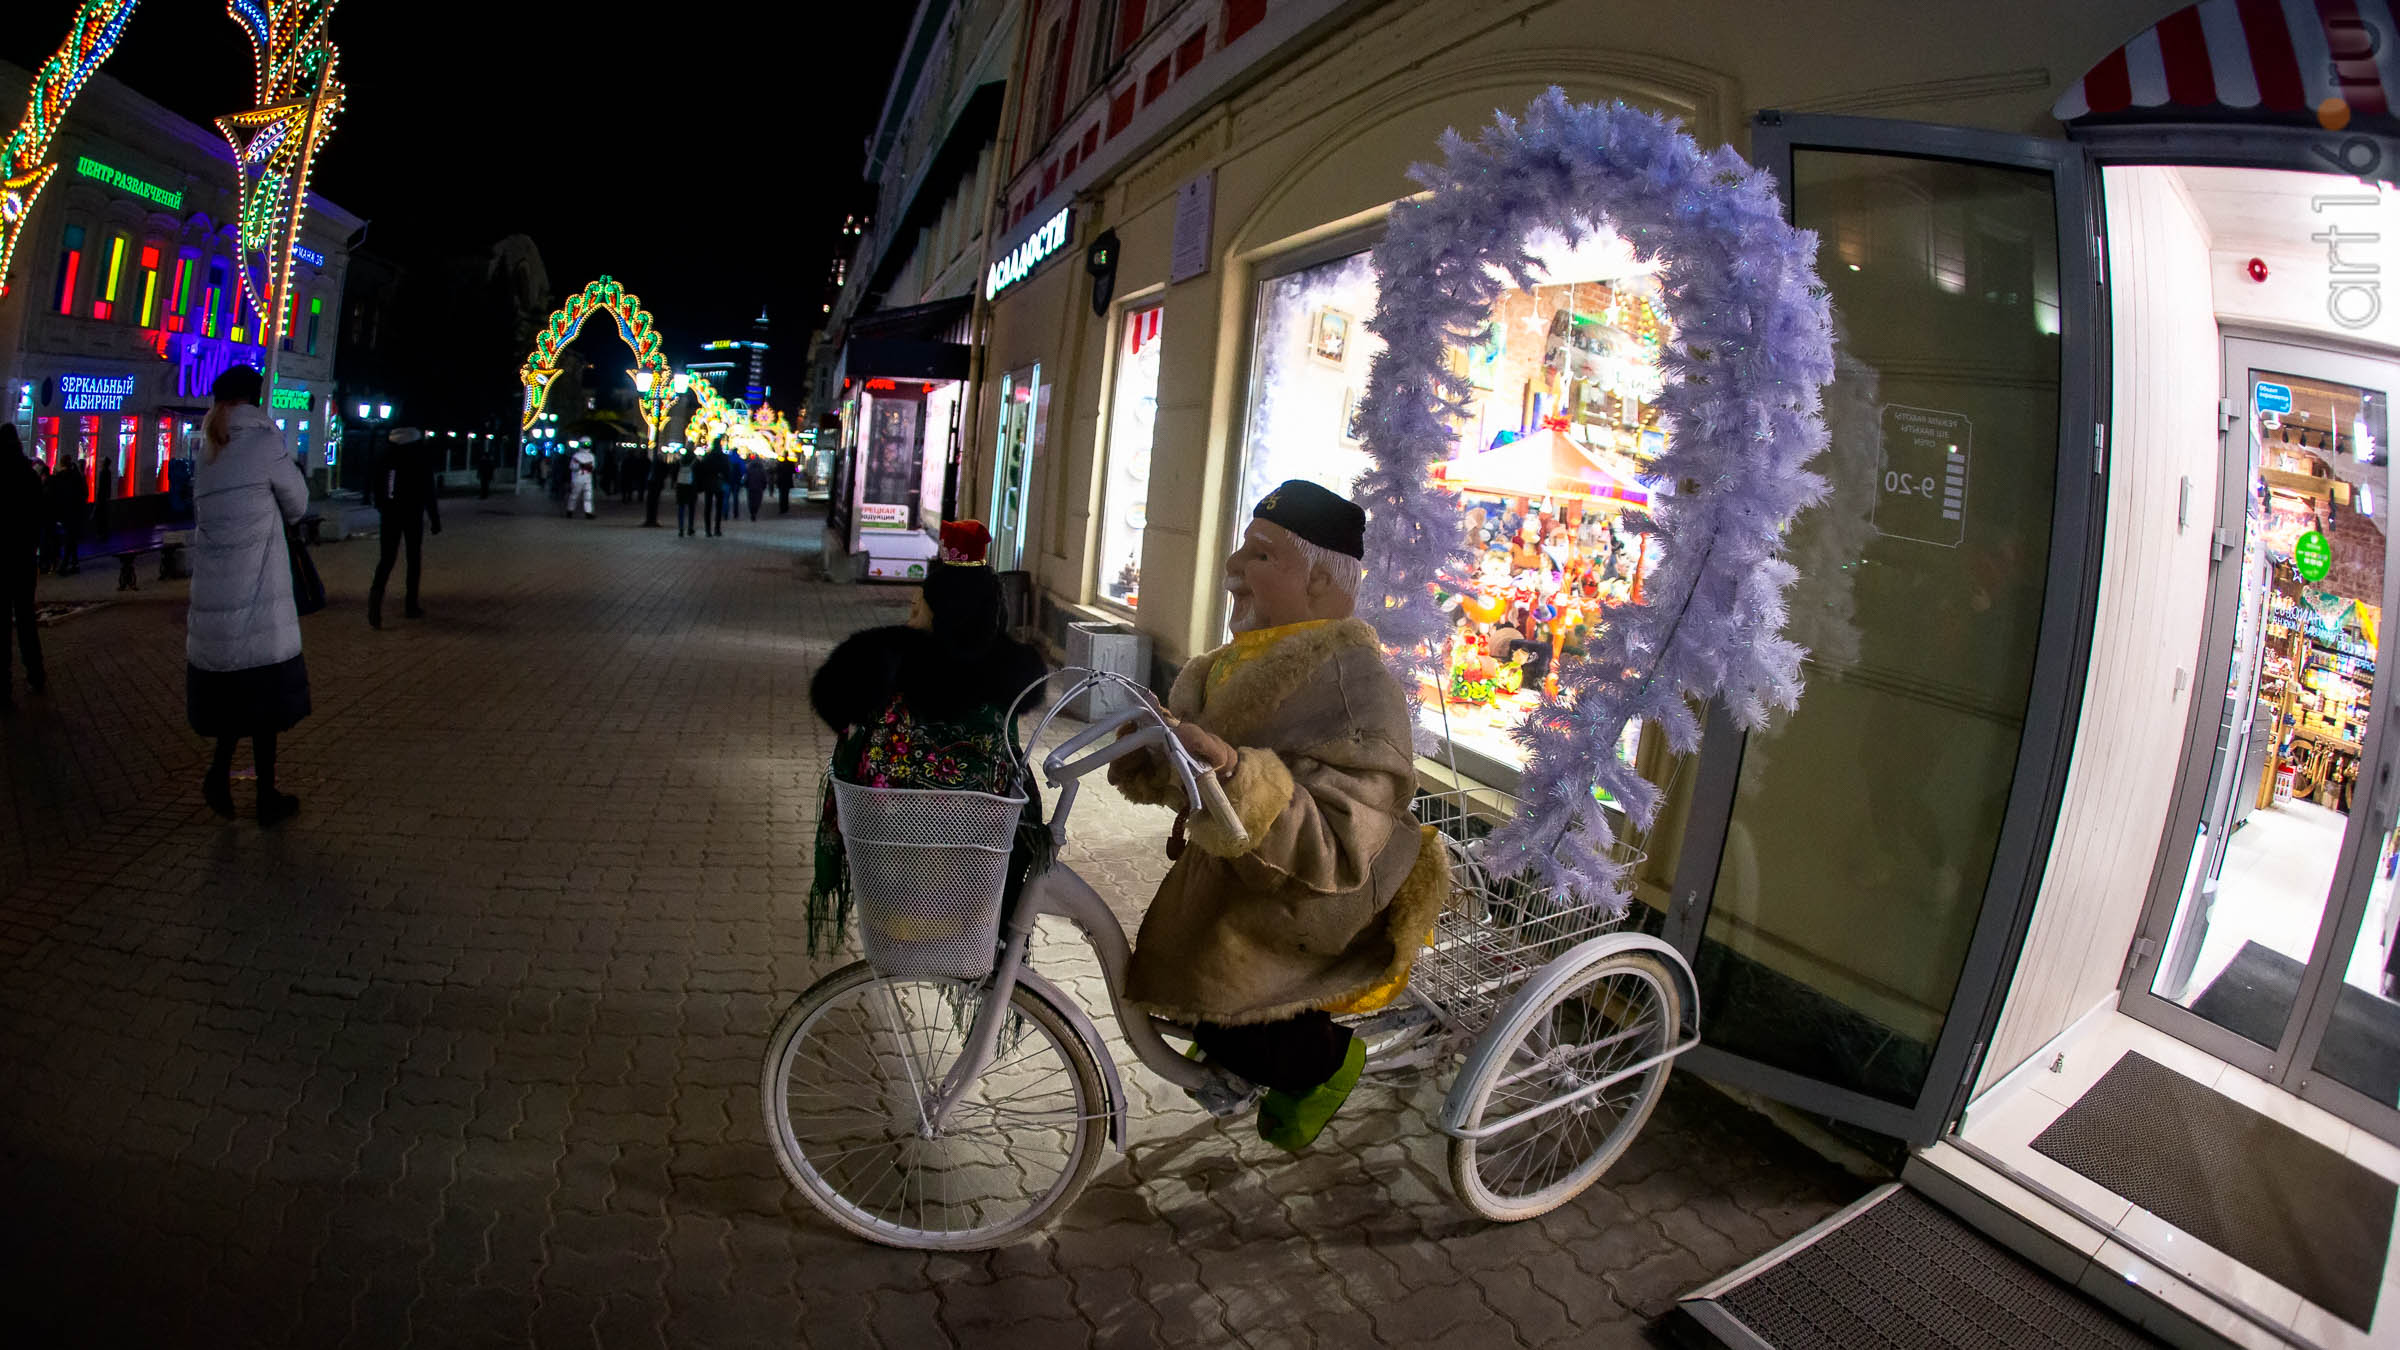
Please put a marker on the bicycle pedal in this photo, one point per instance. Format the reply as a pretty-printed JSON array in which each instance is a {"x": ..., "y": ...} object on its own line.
[{"x": 1224, "y": 1095}]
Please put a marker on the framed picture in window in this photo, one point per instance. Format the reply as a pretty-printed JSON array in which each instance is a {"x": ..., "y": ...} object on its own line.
[
  {"x": 1329, "y": 337},
  {"x": 1352, "y": 430}
]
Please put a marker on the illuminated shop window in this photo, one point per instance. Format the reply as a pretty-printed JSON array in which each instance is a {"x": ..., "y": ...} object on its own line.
[
  {"x": 212, "y": 313},
  {"x": 45, "y": 441},
  {"x": 104, "y": 306},
  {"x": 316, "y": 312},
  {"x": 149, "y": 287},
  {"x": 1125, "y": 494},
  {"x": 87, "y": 444},
  {"x": 166, "y": 449},
  {"x": 179, "y": 295},
  {"x": 129, "y": 451},
  {"x": 1547, "y": 459},
  {"x": 233, "y": 313},
  {"x": 70, "y": 262}
]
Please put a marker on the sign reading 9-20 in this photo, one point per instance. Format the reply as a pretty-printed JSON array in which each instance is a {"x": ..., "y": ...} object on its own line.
[{"x": 1922, "y": 494}]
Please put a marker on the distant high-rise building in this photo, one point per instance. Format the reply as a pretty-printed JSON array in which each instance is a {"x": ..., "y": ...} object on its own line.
[{"x": 727, "y": 371}]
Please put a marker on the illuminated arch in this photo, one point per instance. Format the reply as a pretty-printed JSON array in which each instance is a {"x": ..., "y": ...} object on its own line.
[
  {"x": 633, "y": 324},
  {"x": 25, "y": 167}
]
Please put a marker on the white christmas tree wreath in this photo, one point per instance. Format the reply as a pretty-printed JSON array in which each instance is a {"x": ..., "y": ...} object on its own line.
[{"x": 1750, "y": 353}]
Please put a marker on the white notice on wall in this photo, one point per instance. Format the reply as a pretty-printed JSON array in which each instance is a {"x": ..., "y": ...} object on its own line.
[
  {"x": 1195, "y": 206},
  {"x": 1926, "y": 453}
]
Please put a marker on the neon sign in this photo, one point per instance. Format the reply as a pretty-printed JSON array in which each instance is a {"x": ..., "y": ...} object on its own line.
[
  {"x": 290, "y": 398},
  {"x": 94, "y": 393},
  {"x": 199, "y": 360},
  {"x": 1021, "y": 260},
  {"x": 308, "y": 255},
  {"x": 125, "y": 182}
]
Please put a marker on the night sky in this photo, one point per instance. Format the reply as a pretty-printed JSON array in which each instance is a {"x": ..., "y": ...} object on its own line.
[{"x": 702, "y": 156}]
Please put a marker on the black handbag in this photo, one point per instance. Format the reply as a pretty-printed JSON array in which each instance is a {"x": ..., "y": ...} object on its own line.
[{"x": 308, "y": 589}]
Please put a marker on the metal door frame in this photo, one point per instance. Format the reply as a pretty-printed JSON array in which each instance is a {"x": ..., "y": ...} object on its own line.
[
  {"x": 2288, "y": 1064},
  {"x": 2062, "y": 649}
]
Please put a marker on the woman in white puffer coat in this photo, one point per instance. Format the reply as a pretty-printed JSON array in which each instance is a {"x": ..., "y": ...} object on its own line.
[{"x": 244, "y": 675}]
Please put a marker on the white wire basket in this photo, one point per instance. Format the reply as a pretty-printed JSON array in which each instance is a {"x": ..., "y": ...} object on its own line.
[
  {"x": 1496, "y": 931},
  {"x": 927, "y": 868}
]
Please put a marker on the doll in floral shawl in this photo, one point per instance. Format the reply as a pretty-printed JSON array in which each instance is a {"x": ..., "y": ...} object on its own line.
[{"x": 928, "y": 704}]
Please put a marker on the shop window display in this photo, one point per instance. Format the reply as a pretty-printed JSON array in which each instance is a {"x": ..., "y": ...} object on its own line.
[
  {"x": 1125, "y": 503},
  {"x": 1547, "y": 467}
]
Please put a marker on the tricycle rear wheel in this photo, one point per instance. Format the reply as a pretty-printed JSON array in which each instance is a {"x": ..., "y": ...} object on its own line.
[{"x": 1578, "y": 1028}]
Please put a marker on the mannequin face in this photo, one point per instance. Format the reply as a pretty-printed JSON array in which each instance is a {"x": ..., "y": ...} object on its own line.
[{"x": 1273, "y": 585}]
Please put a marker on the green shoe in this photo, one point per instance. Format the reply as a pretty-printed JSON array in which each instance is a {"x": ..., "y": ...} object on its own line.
[{"x": 1293, "y": 1122}]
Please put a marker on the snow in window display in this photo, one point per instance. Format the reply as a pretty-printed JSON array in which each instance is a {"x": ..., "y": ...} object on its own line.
[{"x": 1604, "y": 353}]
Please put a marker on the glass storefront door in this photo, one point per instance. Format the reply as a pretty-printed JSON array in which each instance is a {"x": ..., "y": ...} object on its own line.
[
  {"x": 2277, "y": 954},
  {"x": 1023, "y": 400},
  {"x": 1852, "y": 871}
]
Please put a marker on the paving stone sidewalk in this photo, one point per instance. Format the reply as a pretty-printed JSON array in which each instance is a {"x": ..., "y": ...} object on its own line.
[{"x": 467, "y": 1054}]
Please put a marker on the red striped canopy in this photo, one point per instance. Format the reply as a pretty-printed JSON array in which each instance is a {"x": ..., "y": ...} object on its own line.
[{"x": 2325, "y": 62}]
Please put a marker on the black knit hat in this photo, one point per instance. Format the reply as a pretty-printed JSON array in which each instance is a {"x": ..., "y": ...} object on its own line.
[
  {"x": 1316, "y": 515},
  {"x": 238, "y": 384}
]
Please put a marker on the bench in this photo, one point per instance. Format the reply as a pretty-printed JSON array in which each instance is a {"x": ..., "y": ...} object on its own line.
[{"x": 169, "y": 546}]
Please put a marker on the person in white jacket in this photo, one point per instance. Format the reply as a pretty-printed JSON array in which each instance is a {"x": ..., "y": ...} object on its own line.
[
  {"x": 582, "y": 465},
  {"x": 244, "y": 676}
]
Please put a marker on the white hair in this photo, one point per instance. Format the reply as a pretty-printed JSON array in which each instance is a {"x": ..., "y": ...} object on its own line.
[{"x": 1344, "y": 571}]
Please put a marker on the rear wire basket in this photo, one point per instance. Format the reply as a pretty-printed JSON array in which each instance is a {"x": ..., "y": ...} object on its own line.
[
  {"x": 927, "y": 869},
  {"x": 1496, "y": 931}
]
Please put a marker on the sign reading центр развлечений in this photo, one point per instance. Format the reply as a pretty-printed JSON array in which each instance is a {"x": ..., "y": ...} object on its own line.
[{"x": 118, "y": 178}]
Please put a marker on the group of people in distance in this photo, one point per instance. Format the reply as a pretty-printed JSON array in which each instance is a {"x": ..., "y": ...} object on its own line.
[{"x": 710, "y": 485}]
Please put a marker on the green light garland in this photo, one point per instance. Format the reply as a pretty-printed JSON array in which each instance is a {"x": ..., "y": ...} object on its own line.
[
  {"x": 634, "y": 324},
  {"x": 24, "y": 167}
]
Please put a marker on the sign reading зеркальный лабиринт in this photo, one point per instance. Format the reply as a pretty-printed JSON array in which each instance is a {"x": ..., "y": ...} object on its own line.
[
  {"x": 1922, "y": 494},
  {"x": 93, "y": 393}
]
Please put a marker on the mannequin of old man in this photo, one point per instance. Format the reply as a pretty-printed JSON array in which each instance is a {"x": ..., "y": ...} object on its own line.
[{"x": 1255, "y": 942}]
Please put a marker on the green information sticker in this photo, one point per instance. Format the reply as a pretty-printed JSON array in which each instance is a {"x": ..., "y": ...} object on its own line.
[{"x": 2312, "y": 556}]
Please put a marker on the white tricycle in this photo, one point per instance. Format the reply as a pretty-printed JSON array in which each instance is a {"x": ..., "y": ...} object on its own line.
[{"x": 942, "y": 1095}]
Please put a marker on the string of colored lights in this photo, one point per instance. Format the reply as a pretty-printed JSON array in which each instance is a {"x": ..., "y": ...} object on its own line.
[
  {"x": 24, "y": 169},
  {"x": 275, "y": 144},
  {"x": 634, "y": 324}
]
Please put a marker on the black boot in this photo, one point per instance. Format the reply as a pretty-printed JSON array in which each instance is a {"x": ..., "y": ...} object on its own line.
[
  {"x": 374, "y": 609},
  {"x": 274, "y": 807},
  {"x": 217, "y": 790}
]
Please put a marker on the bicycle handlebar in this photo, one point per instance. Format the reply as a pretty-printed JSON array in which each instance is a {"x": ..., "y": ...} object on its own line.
[{"x": 1202, "y": 793}]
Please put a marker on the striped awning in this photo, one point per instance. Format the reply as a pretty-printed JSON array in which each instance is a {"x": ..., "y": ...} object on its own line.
[{"x": 2328, "y": 63}]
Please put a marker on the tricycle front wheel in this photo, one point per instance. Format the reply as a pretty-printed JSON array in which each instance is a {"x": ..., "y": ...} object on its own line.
[
  {"x": 850, "y": 1077},
  {"x": 1537, "y": 1130}
]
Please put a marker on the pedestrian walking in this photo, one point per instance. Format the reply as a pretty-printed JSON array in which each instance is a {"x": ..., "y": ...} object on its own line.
[
  {"x": 754, "y": 482},
  {"x": 558, "y": 484},
  {"x": 730, "y": 489},
  {"x": 406, "y": 495},
  {"x": 633, "y": 477},
  {"x": 783, "y": 487},
  {"x": 581, "y": 466},
  {"x": 70, "y": 505},
  {"x": 104, "y": 487},
  {"x": 687, "y": 494},
  {"x": 713, "y": 470},
  {"x": 487, "y": 463},
  {"x": 659, "y": 471},
  {"x": 21, "y": 519},
  {"x": 608, "y": 470},
  {"x": 244, "y": 676}
]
